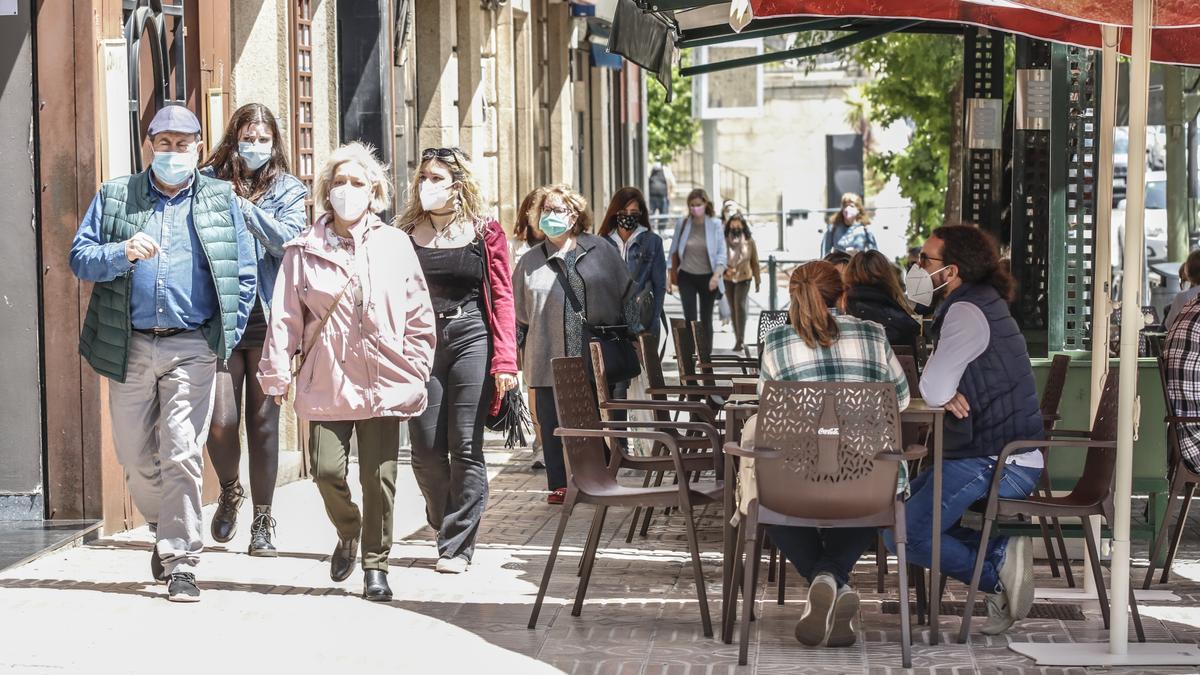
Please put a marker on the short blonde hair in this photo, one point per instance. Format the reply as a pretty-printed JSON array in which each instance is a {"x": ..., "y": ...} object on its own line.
[{"x": 362, "y": 154}]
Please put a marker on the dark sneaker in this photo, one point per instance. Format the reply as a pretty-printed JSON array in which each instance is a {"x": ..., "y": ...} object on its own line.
[
  {"x": 182, "y": 588},
  {"x": 813, "y": 627},
  {"x": 156, "y": 567},
  {"x": 224, "y": 522},
  {"x": 261, "y": 531}
]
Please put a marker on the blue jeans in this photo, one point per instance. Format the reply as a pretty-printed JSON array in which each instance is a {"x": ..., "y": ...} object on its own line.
[{"x": 964, "y": 482}]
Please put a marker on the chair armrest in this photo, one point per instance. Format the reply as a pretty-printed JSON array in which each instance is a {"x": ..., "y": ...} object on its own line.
[
  {"x": 707, "y": 429},
  {"x": 694, "y": 407},
  {"x": 689, "y": 390},
  {"x": 1051, "y": 417},
  {"x": 658, "y": 436},
  {"x": 756, "y": 453},
  {"x": 1175, "y": 419},
  {"x": 1071, "y": 433},
  {"x": 1082, "y": 443},
  {"x": 711, "y": 377},
  {"x": 913, "y": 451}
]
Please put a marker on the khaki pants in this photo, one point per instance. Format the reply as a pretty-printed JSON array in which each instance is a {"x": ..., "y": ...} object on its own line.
[
  {"x": 378, "y": 448},
  {"x": 160, "y": 418}
]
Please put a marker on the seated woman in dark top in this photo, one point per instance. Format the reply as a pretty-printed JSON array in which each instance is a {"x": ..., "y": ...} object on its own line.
[{"x": 873, "y": 293}]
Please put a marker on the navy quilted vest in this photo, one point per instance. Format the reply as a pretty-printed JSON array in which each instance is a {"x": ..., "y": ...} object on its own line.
[{"x": 998, "y": 385}]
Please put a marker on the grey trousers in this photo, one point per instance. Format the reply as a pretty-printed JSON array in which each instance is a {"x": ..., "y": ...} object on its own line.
[{"x": 160, "y": 418}]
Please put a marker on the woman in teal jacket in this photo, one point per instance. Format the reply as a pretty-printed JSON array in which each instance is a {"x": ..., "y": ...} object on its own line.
[{"x": 252, "y": 157}]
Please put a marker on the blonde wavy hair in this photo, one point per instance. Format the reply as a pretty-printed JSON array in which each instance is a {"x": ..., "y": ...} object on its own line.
[
  {"x": 466, "y": 193},
  {"x": 363, "y": 155},
  {"x": 571, "y": 199}
]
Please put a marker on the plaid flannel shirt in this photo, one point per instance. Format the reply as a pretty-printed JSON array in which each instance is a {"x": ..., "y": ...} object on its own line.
[
  {"x": 861, "y": 353},
  {"x": 1182, "y": 350}
]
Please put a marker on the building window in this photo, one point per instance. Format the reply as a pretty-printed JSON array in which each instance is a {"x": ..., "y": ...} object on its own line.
[{"x": 302, "y": 95}]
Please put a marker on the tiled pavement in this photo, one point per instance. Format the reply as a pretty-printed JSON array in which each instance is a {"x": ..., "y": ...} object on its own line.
[{"x": 91, "y": 609}]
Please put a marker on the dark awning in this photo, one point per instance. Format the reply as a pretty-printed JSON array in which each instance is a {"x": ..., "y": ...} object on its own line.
[{"x": 644, "y": 38}]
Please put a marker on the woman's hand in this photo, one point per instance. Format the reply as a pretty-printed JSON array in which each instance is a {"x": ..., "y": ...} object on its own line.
[
  {"x": 713, "y": 282},
  {"x": 505, "y": 381}
]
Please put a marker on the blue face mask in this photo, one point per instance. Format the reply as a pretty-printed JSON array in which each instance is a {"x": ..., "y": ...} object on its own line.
[
  {"x": 173, "y": 168},
  {"x": 554, "y": 224},
  {"x": 255, "y": 155}
]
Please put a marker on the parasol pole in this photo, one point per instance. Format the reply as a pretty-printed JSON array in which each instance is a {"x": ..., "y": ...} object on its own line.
[
  {"x": 1131, "y": 323},
  {"x": 1102, "y": 241}
]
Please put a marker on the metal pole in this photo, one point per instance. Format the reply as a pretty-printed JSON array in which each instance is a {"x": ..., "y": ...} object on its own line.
[
  {"x": 1102, "y": 268},
  {"x": 1131, "y": 323},
  {"x": 773, "y": 290}
]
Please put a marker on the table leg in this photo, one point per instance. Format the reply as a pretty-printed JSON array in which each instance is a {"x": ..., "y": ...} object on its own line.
[{"x": 935, "y": 565}]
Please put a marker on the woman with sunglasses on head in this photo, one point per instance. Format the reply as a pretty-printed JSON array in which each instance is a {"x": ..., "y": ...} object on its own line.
[
  {"x": 251, "y": 157},
  {"x": 464, "y": 256},
  {"x": 599, "y": 281},
  {"x": 698, "y": 259},
  {"x": 626, "y": 225}
]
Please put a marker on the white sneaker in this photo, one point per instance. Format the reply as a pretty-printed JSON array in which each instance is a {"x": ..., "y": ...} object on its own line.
[
  {"x": 1016, "y": 575},
  {"x": 456, "y": 565},
  {"x": 999, "y": 618},
  {"x": 842, "y": 632},
  {"x": 813, "y": 627}
]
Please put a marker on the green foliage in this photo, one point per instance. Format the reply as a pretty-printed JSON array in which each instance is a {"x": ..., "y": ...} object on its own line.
[{"x": 670, "y": 126}]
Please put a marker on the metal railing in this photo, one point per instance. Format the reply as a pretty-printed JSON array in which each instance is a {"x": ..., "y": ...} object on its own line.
[{"x": 772, "y": 274}]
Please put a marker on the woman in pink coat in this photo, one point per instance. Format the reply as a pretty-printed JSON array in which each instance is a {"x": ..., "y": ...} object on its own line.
[{"x": 351, "y": 300}]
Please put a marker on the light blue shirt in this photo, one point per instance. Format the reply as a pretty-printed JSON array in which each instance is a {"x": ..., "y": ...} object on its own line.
[{"x": 174, "y": 289}]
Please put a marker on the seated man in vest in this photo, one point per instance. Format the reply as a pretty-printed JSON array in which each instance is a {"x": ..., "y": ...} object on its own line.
[
  {"x": 174, "y": 273},
  {"x": 980, "y": 372}
]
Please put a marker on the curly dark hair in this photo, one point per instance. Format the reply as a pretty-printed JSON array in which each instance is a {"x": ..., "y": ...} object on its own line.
[{"x": 977, "y": 256}]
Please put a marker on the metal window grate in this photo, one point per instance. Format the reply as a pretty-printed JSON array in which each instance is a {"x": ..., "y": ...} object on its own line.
[
  {"x": 302, "y": 96},
  {"x": 983, "y": 72},
  {"x": 1083, "y": 85}
]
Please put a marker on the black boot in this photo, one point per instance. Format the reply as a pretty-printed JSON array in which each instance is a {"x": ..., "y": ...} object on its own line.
[
  {"x": 224, "y": 522},
  {"x": 156, "y": 567},
  {"x": 375, "y": 586},
  {"x": 260, "y": 533},
  {"x": 341, "y": 563}
]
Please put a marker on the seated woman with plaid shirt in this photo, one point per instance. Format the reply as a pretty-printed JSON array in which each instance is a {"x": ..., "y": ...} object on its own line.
[{"x": 822, "y": 345}]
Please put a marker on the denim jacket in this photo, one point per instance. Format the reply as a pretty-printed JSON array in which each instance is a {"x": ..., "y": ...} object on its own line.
[
  {"x": 276, "y": 219},
  {"x": 647, "y": 267}
]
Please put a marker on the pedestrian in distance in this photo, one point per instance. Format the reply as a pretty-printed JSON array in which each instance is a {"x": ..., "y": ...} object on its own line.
[
  {"x": 662, "y": 184},
  {"x": 547, "y": 325},
  {"x": 698, "y": 259},
  {"x": 743, "y": 268},
  {"x": 174, "y": 273},
  {"x": 874, "y": 293},
  {"x": 848, "y": 228},
  {"x": 352, "y": 302},
  {"x": 464, "y": 256},
  {"x": 252, "y": 158}
]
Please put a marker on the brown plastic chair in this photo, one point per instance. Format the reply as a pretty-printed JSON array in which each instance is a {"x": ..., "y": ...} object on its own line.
[
  {"x": 657, "y": 382},
  {"x": 1091, "y": 496},
  {"x": 703, "y": 341},
  {"x": 1183, "y": 484},
  {"x": 826, "y": 455},
  {"x": 590, "y": 480},
  {"x": 687, "y": 361},
  {"x": 1051, "y": 401}
]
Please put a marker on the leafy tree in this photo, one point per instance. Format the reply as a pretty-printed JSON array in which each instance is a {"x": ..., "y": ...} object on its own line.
[{"x": 670, "y": 126}]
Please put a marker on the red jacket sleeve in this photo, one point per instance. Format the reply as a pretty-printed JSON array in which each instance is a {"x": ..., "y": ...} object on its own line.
[{"x": 501, "y": 315}]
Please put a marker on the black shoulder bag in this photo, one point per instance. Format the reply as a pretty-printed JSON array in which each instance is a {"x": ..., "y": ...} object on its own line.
[{"x": 616, "y": 342}]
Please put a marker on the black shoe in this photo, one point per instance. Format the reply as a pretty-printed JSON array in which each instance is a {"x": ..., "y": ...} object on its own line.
[
  {"x": 156, "y": 567},
  {"x": 375, "y": 586},
  {"x": 224, "y": 522},
  {"x": 341, "y": 563},
  {"x": 260, "y": 533},
  {"x": 182, "y": 588}
]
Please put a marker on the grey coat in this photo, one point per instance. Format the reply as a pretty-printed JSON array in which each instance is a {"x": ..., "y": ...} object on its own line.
[{"x": 541, "y": 304}]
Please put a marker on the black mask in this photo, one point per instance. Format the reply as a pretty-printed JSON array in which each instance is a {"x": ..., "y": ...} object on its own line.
[{"x": 627, "y": 221}]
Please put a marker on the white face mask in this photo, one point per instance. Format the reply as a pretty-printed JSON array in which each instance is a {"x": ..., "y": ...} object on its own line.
[
  {"x": 434, "y": 196},
  {"x": 850, "y": 213},
  {"x": 349, "y": 201},
  {"x": 918, "y": 285}
]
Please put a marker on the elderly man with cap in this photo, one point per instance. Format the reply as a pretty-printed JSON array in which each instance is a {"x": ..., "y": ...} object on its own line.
[{"x": 174, "y": 273}]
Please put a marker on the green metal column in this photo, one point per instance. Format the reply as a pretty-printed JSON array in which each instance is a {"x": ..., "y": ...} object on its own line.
[{"x": 1178, "y": 243}]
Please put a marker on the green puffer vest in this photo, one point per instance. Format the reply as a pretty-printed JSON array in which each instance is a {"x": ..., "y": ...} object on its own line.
[{"x": 127, "y": 204}]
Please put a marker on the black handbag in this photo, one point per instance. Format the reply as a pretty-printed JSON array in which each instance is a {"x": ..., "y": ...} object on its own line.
[
  {"x": 616, "y": 342},
  {"x": 644, "y": 305},
  {"x": 513, "y": 419}
]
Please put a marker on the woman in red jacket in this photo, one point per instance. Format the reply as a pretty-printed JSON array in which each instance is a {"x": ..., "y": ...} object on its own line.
[{"x": 464, "y": 256}]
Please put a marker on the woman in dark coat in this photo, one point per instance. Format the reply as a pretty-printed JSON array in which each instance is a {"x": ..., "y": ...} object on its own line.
[{"x": 873, "y": 293}]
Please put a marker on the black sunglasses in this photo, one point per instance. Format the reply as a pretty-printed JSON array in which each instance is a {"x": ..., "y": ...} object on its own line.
[{"x": 440, "y": 153}]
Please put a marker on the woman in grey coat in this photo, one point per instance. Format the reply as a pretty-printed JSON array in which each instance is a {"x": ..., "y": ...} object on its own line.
[{"x": 546, "y": 326}]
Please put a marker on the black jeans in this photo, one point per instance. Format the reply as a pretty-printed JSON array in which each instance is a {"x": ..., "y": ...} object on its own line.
[
  {"x": 693, "y": 288},
  {"x": 823, "y": 550},
  {"x": 738, "y": 292},
  {"x": 447, "y": 439},
  {"x": 552, "y": 446}
]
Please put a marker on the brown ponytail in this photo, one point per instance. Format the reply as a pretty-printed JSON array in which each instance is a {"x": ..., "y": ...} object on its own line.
[{"x": 814, "y": 288}]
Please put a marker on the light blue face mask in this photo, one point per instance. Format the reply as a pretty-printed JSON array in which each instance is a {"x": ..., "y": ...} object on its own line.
[
  {"x": 255, "y": 155},
  {"x": 173, "y": 168},
  {"x": 554, "y": 224}
]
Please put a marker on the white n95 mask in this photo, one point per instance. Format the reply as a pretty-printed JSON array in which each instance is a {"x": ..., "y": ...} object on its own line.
[{"x": 918, "y": 285}]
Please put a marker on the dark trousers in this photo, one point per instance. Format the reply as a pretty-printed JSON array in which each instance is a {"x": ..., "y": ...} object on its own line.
[
  {"x": 693, "y": 289},
  {"x": 552, "y": 446},
  {"x": 738, "y": 292},
  {"x": 237, "y": 375},
  {"x": 823, "y": 550},
  {"x": 447, "y": 439}
]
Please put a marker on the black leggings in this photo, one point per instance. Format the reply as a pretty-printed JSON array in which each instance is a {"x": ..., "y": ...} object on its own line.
[
  {"x": 240, "y": 374},
  {"x": 693, "y": 288}
]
